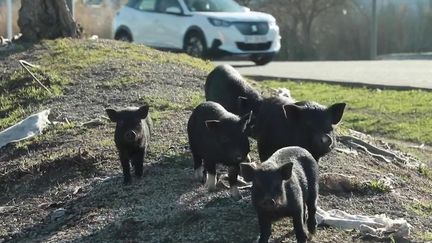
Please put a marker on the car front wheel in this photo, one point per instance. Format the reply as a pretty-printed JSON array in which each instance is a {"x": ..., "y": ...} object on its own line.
[
  {"x": 195, "y": 45},
  {"x": 123, "y": 36},
  {"x": 261, "y": 59}
]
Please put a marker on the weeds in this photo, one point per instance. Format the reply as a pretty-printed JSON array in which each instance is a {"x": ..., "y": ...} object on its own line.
[
  {"x": 425, "y": 171},
  {"x": 377, "y": 186},
  {"x": 421, "y": 208}
]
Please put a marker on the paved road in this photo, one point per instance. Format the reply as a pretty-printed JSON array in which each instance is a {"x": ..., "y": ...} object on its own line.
[{"x": 399, "y": 73}]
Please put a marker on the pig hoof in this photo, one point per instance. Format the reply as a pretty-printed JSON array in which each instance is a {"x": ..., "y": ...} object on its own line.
[
  {"x": 236, "y": 197},
  {"x": 198, "y": 174},
  {"x": 211, "y": 183},
  {"x": 211, "y": 188}
]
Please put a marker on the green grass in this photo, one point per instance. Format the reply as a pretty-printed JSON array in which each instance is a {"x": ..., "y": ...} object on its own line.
[
  {"x": 425, "y": 236},
  {"x": 62, "y": 61},
  {"x": 160, "y": 104},
  {"x": 21, "y": 95},
  {"x": 421, "y": 208},
  {"x": 71, "y": 55},
  {"x": 425, "y": 171},
  {"x": 403, "y": 115},
  {"x": 377, "y": 186},
  {"x": 50, "y": 132},
  {"x": 157, "y": 115},
  {"x": 194, "y": 99}
]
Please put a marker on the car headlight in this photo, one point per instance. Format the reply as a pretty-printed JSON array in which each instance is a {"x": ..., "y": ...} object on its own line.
[{"x": 219, "y": 22}]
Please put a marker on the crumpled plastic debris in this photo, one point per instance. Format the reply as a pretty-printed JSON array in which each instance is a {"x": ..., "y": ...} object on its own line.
[
  {"x": 377, "y": 225},
  {"x": 29, "y": 127}
]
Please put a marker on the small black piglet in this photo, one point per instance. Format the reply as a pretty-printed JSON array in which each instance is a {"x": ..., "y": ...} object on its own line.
[
  {"x": 132, "y": 135},
  {"x": 217, "y": 136},
  {"x": 285, "y": 185}
]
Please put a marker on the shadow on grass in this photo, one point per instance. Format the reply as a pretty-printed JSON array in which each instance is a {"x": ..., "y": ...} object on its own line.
[
  {"x": 17, "y": 46},
  {"x": 151, "y": 195},
  {"x": 20, "y": 184},
  {"x": 166, "y": 205},
  {"x": 221, "y": 220}
]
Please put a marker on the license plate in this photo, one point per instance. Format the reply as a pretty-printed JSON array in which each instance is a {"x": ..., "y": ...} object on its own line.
[{"x": 255, "y": 39}]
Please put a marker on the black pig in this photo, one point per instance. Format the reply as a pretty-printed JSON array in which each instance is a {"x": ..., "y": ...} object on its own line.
[
  {"x": 227, "y": 87},
  {"x": 132, "y": 135},
  {"x": 285, "y": 185},
  {"x": 281, "y": 123},
  {"x": 217, "y": 136}
]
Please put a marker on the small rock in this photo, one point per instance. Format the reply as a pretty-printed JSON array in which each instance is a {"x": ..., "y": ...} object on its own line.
[
  {"x": 77, "y": 190},
  {"x": 58, "y": 214},
  {"x": 49, "y": 205},
  {"x": 4, "y": 209}
]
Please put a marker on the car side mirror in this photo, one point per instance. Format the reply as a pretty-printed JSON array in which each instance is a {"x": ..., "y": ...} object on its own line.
[{"x": 173, "y": 10}]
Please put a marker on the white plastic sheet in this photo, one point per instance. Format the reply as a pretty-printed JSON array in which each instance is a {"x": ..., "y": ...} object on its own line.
[
  {"x": 29, "y": 127},
  {"x": 377, "y": 225}
]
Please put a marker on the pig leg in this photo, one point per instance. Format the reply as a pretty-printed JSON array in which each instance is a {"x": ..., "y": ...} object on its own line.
[
  {"x": 198, "y": 167},
  {"x": 124, "y": 159},
  {"x": 211, "y": 176},
  {"x": 248, "y": 159},
  {"x": 233, "y": 172},
  {"x": 265, "y": 229},
  {"x": 299, "y": 227},
  {"x": 138, "y": 163},
  {"x": 311, "y": 220}
]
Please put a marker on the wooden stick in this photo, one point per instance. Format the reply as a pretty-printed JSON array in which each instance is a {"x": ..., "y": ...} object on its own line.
[
  {"x": 371, "y": 148},
  {"x": 24, "y": 64}
]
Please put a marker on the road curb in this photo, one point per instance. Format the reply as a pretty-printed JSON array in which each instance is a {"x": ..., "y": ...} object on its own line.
[{"x": 342, "y": 83}]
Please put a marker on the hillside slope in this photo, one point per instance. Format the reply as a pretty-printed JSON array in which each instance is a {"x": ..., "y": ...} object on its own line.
[{"x": 66, "y": 185}]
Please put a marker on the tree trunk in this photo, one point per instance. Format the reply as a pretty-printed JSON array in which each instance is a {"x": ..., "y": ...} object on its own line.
[{"x": 46, "y": 19}]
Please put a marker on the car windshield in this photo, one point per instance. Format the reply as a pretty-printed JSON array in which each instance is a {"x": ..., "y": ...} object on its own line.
[{"x": 213, "y": 6}]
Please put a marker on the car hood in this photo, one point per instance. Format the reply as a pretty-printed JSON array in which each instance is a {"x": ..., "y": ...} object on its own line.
[{"x": 239, "y": 16}]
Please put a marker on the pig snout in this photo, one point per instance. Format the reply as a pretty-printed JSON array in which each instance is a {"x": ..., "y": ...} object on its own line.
[
  {"x": 326, "y": 141},
  {"x": 130, "y": 136},
  {"x": 322, "y": 142}
]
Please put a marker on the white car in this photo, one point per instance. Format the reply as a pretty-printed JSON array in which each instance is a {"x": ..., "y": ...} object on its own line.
[{"x": 201, "y": 28}]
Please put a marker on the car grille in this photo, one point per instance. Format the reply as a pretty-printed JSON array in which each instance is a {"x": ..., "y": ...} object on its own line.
[
  {"x": 253, "y": 47},
  {"x": 252, "y": 28}
]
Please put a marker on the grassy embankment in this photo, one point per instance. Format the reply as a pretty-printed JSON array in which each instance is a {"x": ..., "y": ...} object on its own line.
[{"x": 111, "y": 73}]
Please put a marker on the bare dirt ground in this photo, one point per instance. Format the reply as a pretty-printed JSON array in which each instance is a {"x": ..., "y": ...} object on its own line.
[{"x": 66, "y": 185}]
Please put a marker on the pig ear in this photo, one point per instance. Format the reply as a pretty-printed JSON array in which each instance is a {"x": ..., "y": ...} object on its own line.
[
  {"x": 336, "y": 111},
  {"x": 292, "y": 110},
  {"x": 212, "y": 125},
  {"x": 112, "y": 114},
  {"x": 247, "y": 170},
  {"x": 142, "y": 112},
  {"x": 286, "y": 171}
]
